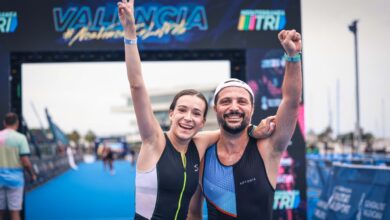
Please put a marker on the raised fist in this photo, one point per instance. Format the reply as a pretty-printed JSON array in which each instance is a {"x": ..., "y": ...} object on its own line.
[
  {"x": 126, "y": 17},
  {"x": 291, "y": 41}
]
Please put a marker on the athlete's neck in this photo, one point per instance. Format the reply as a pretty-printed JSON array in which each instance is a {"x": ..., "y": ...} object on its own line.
[
  {"x": 179, "y": 144},
  {"x": 233, "y": 143}
]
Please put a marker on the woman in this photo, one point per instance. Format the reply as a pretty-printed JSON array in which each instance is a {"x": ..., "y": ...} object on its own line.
[{"x": 168, "y": 163}]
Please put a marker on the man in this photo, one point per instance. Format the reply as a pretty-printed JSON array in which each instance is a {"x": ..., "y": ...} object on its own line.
[
  {"x": 239, "y": 173},
  {"x": 108, "y": 158},
  {"x": 14, "y": 152},
  {"x": 72, "y": 163}
]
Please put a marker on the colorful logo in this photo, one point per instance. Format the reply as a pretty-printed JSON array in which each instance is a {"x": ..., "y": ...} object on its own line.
[
  {"x": 154, "y": 23},
  {"x": 261, "y": 20},
  {"x": 286, "y": 199},
  {"x": 8, "y": 21}
]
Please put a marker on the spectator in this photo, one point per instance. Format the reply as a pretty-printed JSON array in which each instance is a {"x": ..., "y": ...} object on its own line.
[{"x": 14, "y": 152}]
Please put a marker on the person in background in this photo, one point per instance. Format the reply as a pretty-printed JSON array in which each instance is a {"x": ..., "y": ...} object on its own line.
[
  {"x": 132, "y": 157},
  {"x": 108, "y": 158},
  {"x": 14, "y": 157},
  {"x": 72, "y": 163}
]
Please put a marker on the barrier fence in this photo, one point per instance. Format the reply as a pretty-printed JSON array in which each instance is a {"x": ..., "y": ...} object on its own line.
[{"x": 348, "y": 187}]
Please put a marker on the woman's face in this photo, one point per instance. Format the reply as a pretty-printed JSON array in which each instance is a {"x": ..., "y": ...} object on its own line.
[{"x": 187, "y": 118}]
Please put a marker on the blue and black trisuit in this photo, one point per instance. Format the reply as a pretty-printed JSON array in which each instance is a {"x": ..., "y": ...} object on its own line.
[
  {"x": 240, "y": 191},
  {"x": 165, "y": 191}
]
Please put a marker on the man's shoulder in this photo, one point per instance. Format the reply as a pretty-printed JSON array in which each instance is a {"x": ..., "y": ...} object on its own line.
[
  {"x": 14, "y": 138},
  {"x": 18, "y": 135},
  {"x": 10, "y": 131}
]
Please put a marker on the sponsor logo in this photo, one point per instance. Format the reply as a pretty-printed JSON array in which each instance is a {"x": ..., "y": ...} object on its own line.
[
  {"x": 339, "y": 201},
  {"x": 247, "y": 181},
  {"x": 153, "y": 23},
  {"x": 196, "y": 167},
  {"x": 261, "y": 20},
  {"x": 8, "y": 21},
  {"x": 286, "y": 199},
  {"x": 272, "y": 63},
  {"x": 286, "y": 162},
  {"x": 285, "y": 178}
]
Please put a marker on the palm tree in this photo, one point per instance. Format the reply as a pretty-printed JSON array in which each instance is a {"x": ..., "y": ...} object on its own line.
[{"x": 90, "y": 138}]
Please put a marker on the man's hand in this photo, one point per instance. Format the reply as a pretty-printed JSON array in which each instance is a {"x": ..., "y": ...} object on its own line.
[
  {"x": 291, "y": 41},
  {"x": 265, "y": 128},
  {"x": 126, "y": 17}
]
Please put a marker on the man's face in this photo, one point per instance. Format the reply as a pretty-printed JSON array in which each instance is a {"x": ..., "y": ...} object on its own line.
[{"x": 234, "y": 109}]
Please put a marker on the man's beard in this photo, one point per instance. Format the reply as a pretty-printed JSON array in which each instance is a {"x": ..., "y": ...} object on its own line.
[{"x": 233, "y": 130}]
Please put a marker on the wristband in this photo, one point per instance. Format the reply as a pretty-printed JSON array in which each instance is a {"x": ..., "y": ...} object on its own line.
[
  {"x": 294, "y": 59},
  {"x": 130, "y": 41},
  {"x": 251, "y": 128}
]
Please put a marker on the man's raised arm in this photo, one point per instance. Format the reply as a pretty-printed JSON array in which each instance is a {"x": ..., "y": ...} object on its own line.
[{"x": 287, "y": 114}]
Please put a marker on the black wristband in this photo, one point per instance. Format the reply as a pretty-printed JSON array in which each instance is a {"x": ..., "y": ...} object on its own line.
[{"x": 250, "y": 130}]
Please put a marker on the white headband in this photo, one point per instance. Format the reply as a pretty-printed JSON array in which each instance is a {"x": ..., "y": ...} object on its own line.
[{"x": 232, "y": 82}]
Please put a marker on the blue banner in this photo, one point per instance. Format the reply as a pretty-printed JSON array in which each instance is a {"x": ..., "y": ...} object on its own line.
[
  {"x": 317, "y": 175},
  {"x": 355, "y": 192},
  {"x": 184, "y": 24}
]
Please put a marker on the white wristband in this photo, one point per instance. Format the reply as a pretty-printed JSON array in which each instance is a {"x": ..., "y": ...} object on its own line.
[{"x": 130, "y": 41}]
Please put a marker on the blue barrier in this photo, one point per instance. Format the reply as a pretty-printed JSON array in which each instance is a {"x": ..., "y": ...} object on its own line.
[
  {"x": 48, "y": 168},
  {"x": 350, "y": 192},
  {"x": 317, "y": 175}
]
